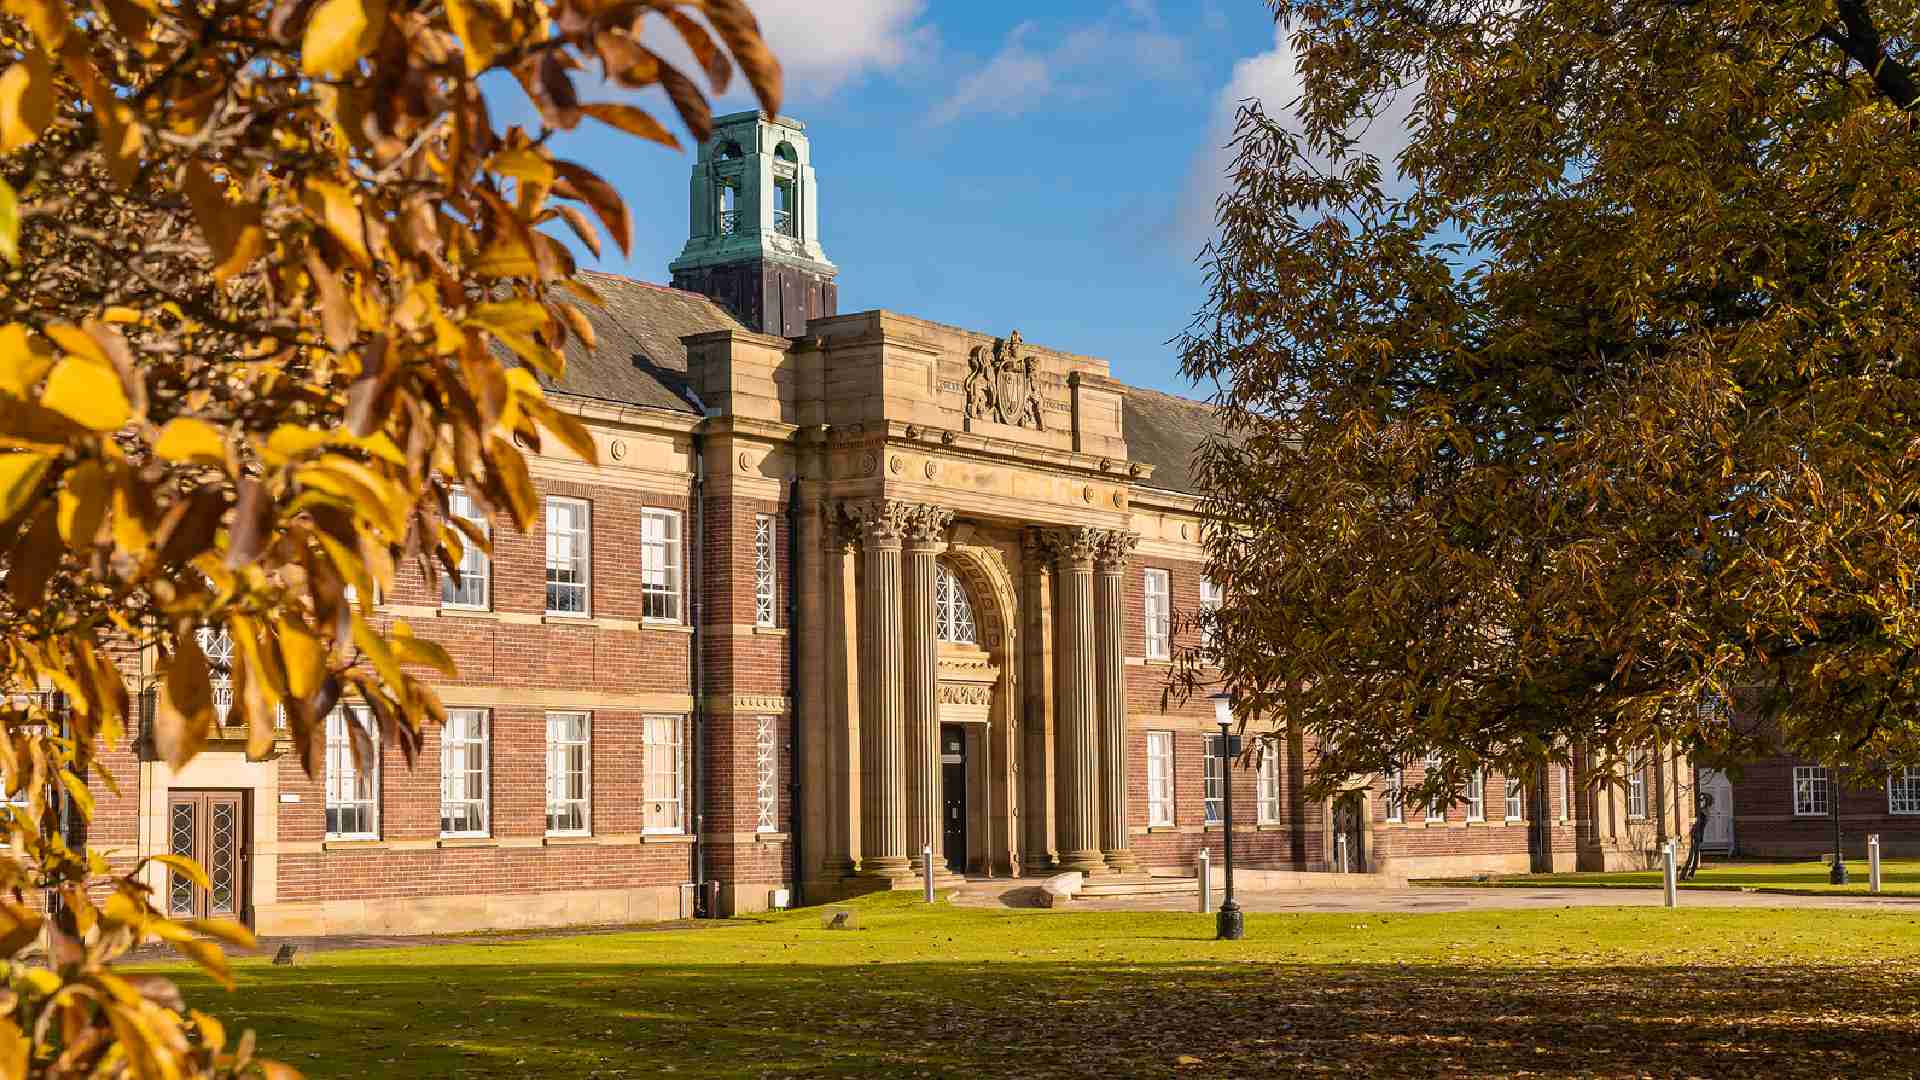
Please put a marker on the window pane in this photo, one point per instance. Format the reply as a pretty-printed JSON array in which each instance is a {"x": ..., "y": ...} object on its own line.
[
  {"x": 1158, "y": 613},
  {"x": 660, "y": 564},
  {"x": 471, "y": 588},
  {"x": 1213, "y": 774},
  {"x": 1160, "y": 778},
  {"x": 766, "y": 766},
  {"x": 568, "y": 771},
  {"x": 352, "y": 809},
  {"x": 569, "y": 556},
  {"x": 463, "y": 773},
  {"x": 665, "y": 768}
]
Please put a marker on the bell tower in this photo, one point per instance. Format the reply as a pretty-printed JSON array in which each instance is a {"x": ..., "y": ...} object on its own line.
[{"x": 753, "y": 230}]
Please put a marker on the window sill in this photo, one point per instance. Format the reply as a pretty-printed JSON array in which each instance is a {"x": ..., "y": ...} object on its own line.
[
  {"x": 483, "y": 614},
  {"x": 770, "y": 631},
  {"x": 671, "y": 626},
  {"x": 365, "y": 843},
  {"x": 1167, "y": 828},
  {"x": 467, "y": 841},
  {"x": 570, "y": 840},
  {"x": 568, "y": 618},
  {"x": 1269, "y": 826},
  {"x": 770, "y": 837},
  {"x": 666, "y": 838}
]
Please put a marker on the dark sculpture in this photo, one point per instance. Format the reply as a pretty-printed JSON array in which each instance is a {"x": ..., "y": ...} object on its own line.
[{"x": 1702, "y": 808}]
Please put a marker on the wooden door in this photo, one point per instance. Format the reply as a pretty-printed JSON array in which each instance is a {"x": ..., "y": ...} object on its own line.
[{"x": 209, "y": 827}]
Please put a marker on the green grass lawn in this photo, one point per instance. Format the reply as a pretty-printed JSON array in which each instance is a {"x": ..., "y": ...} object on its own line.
[
  {"x": 1898, "y": 877},
  {"x": 944, "y": 991}
]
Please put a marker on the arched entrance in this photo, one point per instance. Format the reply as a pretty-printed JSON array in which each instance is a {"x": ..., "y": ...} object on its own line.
[{"x": 978, "y": 702}]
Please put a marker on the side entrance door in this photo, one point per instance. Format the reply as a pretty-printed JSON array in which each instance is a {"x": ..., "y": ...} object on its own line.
[
  {"x": 953, "y": 795},
  {"x": 1350, "y": 833},
  {"x": 1719, "y": 834},
  {"x": 209, "y": 827}
]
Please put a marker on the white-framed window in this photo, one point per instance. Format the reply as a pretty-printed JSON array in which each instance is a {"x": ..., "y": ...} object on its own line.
[
  {"x": 660, "y": 565},
  {"x": 1477, "y": 795},
  {"x": 1516, "y": 799},
  {"x": 1159, "y": 778},
  {"x": 1636, "y": 786},
  {"x": 1267, "y": 793},
  {"x": 1213, "y": 775},
  {"x": 475, "y": 587},
  {"x": 1211, "y": 600},
  {"x": 1157, "y": 596},
  {"x": 1393, "y": 802},
  {"x": 952, "y": 608},
  {"x": 666, "y": 775},
  {"x": 1436, "y": 809},
  {"x": 569, "y": 774},
  {"x": 1810, "y": 790},
  {"x": 353, "y": 797},
  {"x": 465, "y": 807},
  {"x": 1566, "y": 792},
  {"x": 765, "y": 570},
  {"x": 766, "y": 763},
  {"x": 1903, "y": 791},
  {"x": 569, "y": 556}
]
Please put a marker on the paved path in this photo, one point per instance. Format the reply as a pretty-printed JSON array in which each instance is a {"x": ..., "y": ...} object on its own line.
[{"x": 1417, "y": 900}]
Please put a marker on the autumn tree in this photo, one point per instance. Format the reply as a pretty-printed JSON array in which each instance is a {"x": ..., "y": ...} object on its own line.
[
  {"x": 1588, "y": 419},
  {"x": 274, "y": 282}
]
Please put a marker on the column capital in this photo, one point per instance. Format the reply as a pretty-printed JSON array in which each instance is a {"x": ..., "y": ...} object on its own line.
[
  {"x": 1073, "y": 547},
  {"x": 1114, "y": 548},
  {"x": 890, "y": 521}
]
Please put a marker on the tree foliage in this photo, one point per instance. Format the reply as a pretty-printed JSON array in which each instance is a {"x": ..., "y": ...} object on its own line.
[
  {"x": 1592, "y": 412},
  {"x": 274, "y": 284}
]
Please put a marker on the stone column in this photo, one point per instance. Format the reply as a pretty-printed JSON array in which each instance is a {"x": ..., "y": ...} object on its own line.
[
  {"x": 1036, "y": 651},
  {"x": 926, "y": 532},
  {"x": 883, "y": 750},
  {"x": 1110, "y": 622},
  {"x": 1079, "y": 736},
  {"x": 842, "y": 688}
]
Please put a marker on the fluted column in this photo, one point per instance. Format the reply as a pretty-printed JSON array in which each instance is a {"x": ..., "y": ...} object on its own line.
[
  {"x": 1079, "y": 738},
  {"x": 1109, "y": 593},
  {"x": 883, "y": 750},
  {"x": 926, "y": 531}
]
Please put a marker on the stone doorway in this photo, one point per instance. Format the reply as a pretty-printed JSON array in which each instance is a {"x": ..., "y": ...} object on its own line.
[
  {"x": 953, "y": 791},
  {"x": 1350, "y": 833},
  {"x": 209, "y": 827}
]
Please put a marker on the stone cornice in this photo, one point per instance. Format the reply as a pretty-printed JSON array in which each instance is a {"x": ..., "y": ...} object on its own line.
[{"x": 890, "y": 521}]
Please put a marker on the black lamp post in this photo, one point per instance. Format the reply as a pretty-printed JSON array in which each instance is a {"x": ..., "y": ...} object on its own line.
[
  {"x": 1837, "y": 875},
  {"x": 1232, "y": 924}
]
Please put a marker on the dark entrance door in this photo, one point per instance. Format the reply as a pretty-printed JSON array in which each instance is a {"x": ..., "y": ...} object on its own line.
[
  {"x": 953, "y": 795},
  {"x": 1540, "y": 828},
  {"x": 1350, "y": 834},
  {"x": 209, "y": 827}
]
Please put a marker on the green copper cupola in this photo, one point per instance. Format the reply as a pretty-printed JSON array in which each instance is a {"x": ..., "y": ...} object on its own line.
[{"x": 753, "y": 235}]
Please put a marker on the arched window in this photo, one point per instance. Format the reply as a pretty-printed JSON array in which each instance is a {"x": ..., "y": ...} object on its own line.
[
  {"x": 728, "y": 151},
  {"x": 952, "y": 608},
  {"x": 785, "y": 152}
]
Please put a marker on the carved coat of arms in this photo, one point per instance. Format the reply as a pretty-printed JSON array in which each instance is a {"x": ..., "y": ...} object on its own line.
[{"x": 1002, "y": 385}]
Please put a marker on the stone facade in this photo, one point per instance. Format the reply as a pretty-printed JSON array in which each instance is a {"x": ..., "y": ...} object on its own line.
[{"x": 836, "y": 599}]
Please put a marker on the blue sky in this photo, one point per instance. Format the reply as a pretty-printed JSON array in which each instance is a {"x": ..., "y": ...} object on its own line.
[{"x": 987, "y": 166}]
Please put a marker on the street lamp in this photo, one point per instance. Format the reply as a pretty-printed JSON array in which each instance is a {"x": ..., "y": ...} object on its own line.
[
  {"x": 1232, "y": 924},
  {"x": 1838, "y": 875}
]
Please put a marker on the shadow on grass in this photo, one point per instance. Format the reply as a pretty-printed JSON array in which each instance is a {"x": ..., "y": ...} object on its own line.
[{"x": 1081, "y": 1019}]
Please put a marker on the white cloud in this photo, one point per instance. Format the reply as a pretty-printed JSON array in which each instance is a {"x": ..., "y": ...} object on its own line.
[
  {"x": 824, "y": 45},
  {"x": 1075, "y": 62},
  {"x": 1273, "y": 79}
]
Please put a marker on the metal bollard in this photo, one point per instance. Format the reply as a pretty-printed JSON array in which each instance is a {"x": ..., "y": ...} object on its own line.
[
  {"x": 1206, "y": 881},
  {"x": 926, "y": 861},
  {"x": 1873, "y": 863},
  {"x": 1670, "y": 874}
]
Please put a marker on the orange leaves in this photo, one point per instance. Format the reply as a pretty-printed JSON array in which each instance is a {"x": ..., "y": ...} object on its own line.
[
  {"x": 333, "y": 207},
  {"x": 26, "y": 101},
  {"x": 633, "y": 121},
  {"x": 185, "y": 714},
  {"x": 481, "y": 31},
  {"x": 232, "y": 231}
]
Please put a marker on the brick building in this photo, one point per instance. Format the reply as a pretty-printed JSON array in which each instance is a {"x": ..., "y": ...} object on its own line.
[
  {"x": 837, "y": 592},
  {"x": 1785, "y": 807}
]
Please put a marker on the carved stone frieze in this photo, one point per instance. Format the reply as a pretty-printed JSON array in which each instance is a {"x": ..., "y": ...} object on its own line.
[
  {"x": 1003, "y": 384},
  {"x": 966, "y": 693}
]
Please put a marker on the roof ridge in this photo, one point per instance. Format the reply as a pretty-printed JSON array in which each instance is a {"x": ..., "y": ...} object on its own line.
[
  {"x": 655, "y": 286},
  {"x": 1132, "y": 389}
]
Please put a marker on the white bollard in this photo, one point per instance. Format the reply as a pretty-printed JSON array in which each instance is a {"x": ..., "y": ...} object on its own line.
[
  {"x": 1206, "y": 881},
  {"x": 1873, "y": 863},
  {"x": 1670, "y": 874},
  {"x": 926, "y": 860}
]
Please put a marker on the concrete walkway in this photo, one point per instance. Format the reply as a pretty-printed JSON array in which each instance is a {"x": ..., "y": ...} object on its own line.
[{"x": 1423, "y": 899}]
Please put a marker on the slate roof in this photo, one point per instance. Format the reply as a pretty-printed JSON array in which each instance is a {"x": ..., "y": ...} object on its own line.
[
  {"x": 640, "y": 359},
  {"x": 1163, "y": 431}
]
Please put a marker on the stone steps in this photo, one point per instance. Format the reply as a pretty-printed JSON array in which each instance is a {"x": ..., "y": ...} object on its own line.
[{"x": 1132, "y": 886}]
